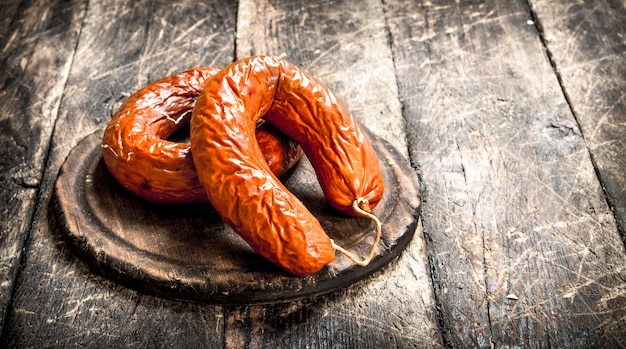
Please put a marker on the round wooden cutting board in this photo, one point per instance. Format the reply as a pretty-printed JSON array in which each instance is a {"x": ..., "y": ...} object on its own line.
[{"x": 187, "y": 252}]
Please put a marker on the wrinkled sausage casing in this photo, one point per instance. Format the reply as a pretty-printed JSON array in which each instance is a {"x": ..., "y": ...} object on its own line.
[
  {"x": 239, "y": 183},
  {"x": 344, "y": 160},
  {"x": 139, "y": 156}
]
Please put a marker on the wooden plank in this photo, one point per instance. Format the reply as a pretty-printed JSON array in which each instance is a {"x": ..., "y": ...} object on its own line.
[
  {"x": 59, "y": 302},
  {"x": 37, "y": 40},
  {"x": 524, "y": 249},
  {"x": 345, "y": 45},
  {"x": 586, "y": 42}
]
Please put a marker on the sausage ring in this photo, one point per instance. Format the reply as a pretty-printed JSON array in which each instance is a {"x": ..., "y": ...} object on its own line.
[
  {"x": 239, "y": 183},
  {"x": 139, "y": 156}
]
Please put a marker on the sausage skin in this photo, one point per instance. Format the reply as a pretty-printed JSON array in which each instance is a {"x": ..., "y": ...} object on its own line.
[
  {"x": 139, "y": 156},
  {"x": 239, "y": 183}
]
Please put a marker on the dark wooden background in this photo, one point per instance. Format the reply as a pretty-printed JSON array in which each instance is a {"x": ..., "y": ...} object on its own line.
[{"x": 512, "y": 113}]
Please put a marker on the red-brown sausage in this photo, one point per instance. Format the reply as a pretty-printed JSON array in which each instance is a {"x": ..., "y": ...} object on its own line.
[
  {"x": 239, "y": 183},
  {"x": 138, "y": 154}
]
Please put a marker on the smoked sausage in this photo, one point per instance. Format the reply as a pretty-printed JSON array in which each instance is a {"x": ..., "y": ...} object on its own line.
[
  {"x": 239, "y": 183},
  {"x": 139, "y": 156}
]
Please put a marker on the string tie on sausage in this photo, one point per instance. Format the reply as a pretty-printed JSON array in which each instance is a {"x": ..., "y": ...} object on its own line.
[{"x": 361, "y": 206}]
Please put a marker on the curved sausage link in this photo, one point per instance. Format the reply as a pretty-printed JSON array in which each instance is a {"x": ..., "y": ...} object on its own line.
[
  {"x": 142, "y": 160},
  {"x": 344, "y": 160},
  {"x": 240, "y": 185}
]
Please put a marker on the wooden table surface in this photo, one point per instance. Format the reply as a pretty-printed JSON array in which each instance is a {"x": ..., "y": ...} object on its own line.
[{"x": 512, "y": 113}]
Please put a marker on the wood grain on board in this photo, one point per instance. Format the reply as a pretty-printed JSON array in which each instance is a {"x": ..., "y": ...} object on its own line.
[
  {"x": 523, "y": 247},
  {"x": 187, "y": 252}
]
